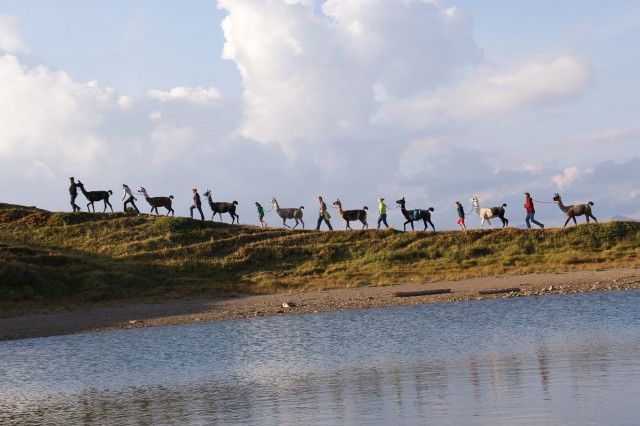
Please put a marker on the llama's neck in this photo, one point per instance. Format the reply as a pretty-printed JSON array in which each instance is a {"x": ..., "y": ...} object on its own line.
[
  {"x": 275, "y": 205},
  {"x": 340, "y": 211},
  {"x": 562, "y": 206},
  {"x": 83, "y": 190},
  {"x": 476, "y": 207}
]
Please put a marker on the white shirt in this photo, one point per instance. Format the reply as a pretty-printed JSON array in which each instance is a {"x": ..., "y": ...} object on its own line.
[{"x": 127, "y": 192}]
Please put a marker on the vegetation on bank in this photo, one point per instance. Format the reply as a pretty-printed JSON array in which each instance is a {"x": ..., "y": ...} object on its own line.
[{"x": 61, "y": 259}]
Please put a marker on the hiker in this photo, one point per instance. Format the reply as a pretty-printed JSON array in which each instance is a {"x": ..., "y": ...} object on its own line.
[
  {"x": 260, "y": 214},
  {"x": 324, "y": 215},
  {"x": 531, "y": 211},
  {"x": 73, "y": 192},
  {"x": 461, "y": 215},
  {"x": 197, "y": 204},
  {"x": 382, "y": 209},
  {"x": 128, "y": 195}
]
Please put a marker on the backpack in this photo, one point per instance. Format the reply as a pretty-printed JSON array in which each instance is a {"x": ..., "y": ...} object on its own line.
[{"x": 415, "y": 214}]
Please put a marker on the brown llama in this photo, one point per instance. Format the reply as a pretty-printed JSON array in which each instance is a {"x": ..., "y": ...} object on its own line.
[
  {"x": 349, "y": 215},
  {"x": 220, "y": 207},
  {"x": 575, "y": 210},
  {"x": 93, "y": 196},
  {"x": 156, "y": 202}
]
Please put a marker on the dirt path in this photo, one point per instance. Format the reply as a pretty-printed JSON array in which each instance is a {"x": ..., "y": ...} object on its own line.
[{"x": 113, "y": 317}]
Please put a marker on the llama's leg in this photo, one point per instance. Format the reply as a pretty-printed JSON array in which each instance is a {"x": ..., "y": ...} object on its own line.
[
  {"x": 302, "y": 223},
  {"x": 297, "y": 222},
  {"x": 412, "y": 228},
  {"x": 489, "y": 222},
  {"x": 365, "y": 225},
  {"x": 586, "y": 216},
  {"x": 424, "y": 221},
  {"x": 284, "y": 222},
  {"x": 567, "y": 221},
  {"x": 481, "y": 222},
  {"x": 405, "y": 225},
  {"x": 433, "y": 227},
  {"x": 575, "y": 222},
  {"x": 593, "y": 217},
  {"x": 348, "y": 227}
]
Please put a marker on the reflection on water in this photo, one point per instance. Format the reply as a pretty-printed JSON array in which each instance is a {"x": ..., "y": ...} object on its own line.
[{"x": 551, "y": 360}]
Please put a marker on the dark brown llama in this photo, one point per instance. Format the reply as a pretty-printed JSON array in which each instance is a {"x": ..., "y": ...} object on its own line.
[
  {"x": 349, "y": 215},
  {"x": 156, "y": 202},
  {"x": 415, "y": 215},
  {"x": 94, "y": 196},
  {"x": 220, "y": 207}
]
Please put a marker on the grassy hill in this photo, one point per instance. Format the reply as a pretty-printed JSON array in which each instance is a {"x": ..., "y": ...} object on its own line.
[{"x": 61, "y": 259}]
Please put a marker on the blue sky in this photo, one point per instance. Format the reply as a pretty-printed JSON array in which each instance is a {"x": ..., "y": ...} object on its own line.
[{"x": 435, "y": 102}]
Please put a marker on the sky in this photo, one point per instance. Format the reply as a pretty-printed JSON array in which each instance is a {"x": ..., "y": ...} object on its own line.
[{"x": 433, "y": 100}]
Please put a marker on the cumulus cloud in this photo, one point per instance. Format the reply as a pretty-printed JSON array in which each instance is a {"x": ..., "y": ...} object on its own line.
[
  {"x": 487, "y": 93},
  {"x": 10, "y": 36},
  {"x": 315, "y": 75},
  {"x": 198, "y": 95},
  {"x": 47, "y": 116},
  {"x": 567, "y": 177}
]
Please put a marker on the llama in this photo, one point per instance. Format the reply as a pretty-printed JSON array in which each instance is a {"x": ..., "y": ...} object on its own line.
[
  {"x": 489, "y": 212},
  {"x": 93, "y": 196},
  {"x": 156, "y": 202},
  {"x": 415, "y": 215},
  {"x": 288, "y": 213},
  {"x": 222, "y": 207},
  {"x": 349, "y": 215},
  {"x": 575, "y": 210}
]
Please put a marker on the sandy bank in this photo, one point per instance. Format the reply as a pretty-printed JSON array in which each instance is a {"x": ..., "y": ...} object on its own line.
[{"x": 114, "y": 317}]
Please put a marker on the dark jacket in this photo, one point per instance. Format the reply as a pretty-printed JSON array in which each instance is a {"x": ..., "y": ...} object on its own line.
[
  {"x": 460, "y": 211},
  {"x": 73, "y": 189},
  {"x": 196, "y": 199}
]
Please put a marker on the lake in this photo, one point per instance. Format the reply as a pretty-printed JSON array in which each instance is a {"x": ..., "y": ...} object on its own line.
[{"x": 569, "y": 360}]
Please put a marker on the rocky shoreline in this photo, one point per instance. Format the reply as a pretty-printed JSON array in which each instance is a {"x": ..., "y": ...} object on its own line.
[{"x": 184, "y": 311}]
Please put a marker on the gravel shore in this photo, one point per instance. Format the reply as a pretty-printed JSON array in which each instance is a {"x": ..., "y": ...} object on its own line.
[{"x": 183, "y": 311}]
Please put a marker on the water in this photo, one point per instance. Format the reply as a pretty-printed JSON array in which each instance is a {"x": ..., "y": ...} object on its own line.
[{"x": 550, "y": 360}]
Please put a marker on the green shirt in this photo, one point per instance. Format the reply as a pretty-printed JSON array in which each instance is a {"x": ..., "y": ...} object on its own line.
[
  {"x": 382, "y": 208},
  {"x": 260, "y": 211}
]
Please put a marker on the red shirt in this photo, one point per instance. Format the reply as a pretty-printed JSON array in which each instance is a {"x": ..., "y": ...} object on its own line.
[{"x": 528, "y": 205}]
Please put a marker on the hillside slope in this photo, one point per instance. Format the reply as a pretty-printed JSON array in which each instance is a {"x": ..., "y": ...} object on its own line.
[{"x": 60, "y": 259}]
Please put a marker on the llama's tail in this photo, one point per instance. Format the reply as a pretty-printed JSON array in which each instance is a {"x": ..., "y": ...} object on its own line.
[
  {"x": 431, "y": 209},
  {"x": 301, "y": 207},
  {"x": 365, "y": 208},
  {"x": 171, "y": 196},
  {"x": 504, "y": 204},
  {"x": 235, "y": 202},
  {"x": 590, "y": 203},
  {"x": 110, "y": 192}
]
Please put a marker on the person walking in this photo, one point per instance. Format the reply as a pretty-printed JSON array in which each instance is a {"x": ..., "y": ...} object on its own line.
[
  {"x": 197, "y": 204},
  {"x": 382, "y": 209},
  {"x": 260, "y": 214},
  {"x": 128, "y": 195},
  {"x": 73, "y": 192},
  {"x": 324, "y": 215},
  {"x": 461, "y": 216},
  {"x": 531, "y": 211}
]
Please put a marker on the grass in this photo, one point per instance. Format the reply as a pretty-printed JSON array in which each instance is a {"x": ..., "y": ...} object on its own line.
[{"x": 60, "y": 259}]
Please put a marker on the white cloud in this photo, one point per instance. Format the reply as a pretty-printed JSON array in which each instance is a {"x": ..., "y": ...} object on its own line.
[
  {"x": 10, "y": 37},
  {"x": 125, "y": 101},
  {"x": 310, "y": 75},
  {"x": 155, "y": 115},
  {"x": 487, "y": 93},
  {"x": 567, "y": 177},
  {"x": 171, "y": 141},
  {"x": 47, "y": 117},
  {"x": 198, "y": 95}
]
